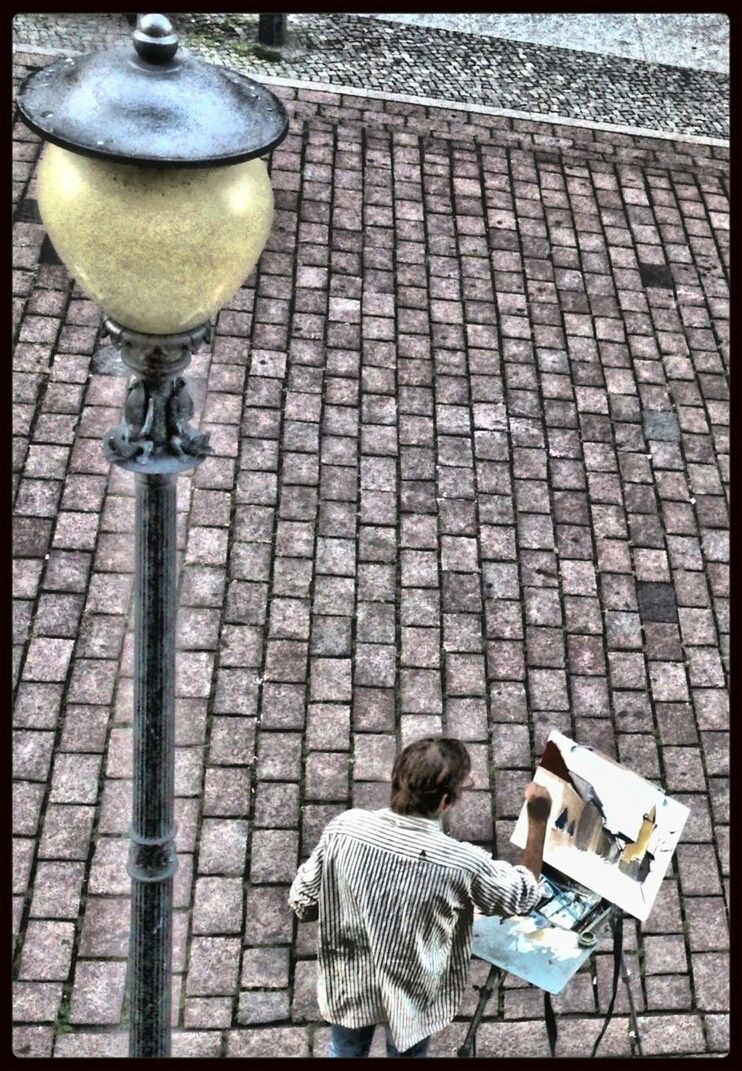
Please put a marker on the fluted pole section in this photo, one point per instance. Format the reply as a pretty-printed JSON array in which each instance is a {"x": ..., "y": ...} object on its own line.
[{"x": 152, "y": 860}]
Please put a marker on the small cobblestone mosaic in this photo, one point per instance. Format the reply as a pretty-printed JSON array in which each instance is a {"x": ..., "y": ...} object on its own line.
[
  {"x": 447, "y": 494},
  {"x": 370, "y": 54}
]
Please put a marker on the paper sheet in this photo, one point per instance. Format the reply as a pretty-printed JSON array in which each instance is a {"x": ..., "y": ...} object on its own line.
[{"x": 608, "y": 828}]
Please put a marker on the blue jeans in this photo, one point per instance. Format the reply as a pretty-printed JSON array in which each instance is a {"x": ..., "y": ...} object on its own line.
[{"x": 356, "y": 1041}]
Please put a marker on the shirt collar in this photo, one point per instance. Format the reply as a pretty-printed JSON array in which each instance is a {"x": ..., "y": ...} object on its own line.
[{"x": 411, "y": 821}]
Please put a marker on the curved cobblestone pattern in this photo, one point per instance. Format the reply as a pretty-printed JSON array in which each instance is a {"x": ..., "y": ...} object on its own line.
[
  {"x": 470, "y": 421},
  {"x": 694, "y": 40},
  {"x": 421, "y": 61}
]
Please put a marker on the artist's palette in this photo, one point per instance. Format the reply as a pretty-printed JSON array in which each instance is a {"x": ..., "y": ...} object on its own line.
[{"x": 528, "y": 947}]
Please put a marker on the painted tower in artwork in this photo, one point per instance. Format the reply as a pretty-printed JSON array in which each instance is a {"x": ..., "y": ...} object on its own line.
[{"x": 632, "y": 861}]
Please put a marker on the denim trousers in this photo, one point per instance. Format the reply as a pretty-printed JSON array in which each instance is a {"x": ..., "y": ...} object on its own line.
[{"x": 356, "y": 1041}]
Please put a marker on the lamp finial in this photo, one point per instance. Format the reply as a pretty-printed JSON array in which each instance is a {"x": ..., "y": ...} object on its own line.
[{"x": 154, "y": 39}]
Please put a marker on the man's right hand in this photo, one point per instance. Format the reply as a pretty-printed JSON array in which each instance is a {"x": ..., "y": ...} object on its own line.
[{"x": 538, "y": 801}]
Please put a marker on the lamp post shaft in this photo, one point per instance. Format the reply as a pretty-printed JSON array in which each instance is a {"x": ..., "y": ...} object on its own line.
[
  {"x": 156, "y": 442},
  {"x": 152, "y": 857}
]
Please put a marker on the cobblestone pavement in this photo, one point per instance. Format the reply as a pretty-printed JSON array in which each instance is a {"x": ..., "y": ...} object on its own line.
[
  {"x": 471, "y": 459},
  {"x": 352, "y": 50},
  {"x": 693, "y": 40}
]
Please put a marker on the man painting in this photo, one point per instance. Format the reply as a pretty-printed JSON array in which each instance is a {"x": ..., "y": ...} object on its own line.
[{"x": 395, "y": 898}]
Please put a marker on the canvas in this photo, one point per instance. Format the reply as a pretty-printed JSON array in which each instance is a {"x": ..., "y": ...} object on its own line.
[{"x": 608, "y": 829}]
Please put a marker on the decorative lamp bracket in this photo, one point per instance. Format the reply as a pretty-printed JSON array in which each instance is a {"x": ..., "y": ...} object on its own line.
[{"x": 155, "y": 435}]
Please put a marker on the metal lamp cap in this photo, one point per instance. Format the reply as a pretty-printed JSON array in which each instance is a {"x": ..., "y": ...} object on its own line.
[{"x": 146, "y": 105}]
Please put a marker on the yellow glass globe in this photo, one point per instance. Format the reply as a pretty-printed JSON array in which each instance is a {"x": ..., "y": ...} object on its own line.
[{"x": 161, "y": 250}]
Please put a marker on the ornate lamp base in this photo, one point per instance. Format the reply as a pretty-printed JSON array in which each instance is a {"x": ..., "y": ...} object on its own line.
[{"x": 155, "y": 435}]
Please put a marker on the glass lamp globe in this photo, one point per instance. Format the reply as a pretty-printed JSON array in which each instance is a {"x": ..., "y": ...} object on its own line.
[{"x": 151, "y": 188}]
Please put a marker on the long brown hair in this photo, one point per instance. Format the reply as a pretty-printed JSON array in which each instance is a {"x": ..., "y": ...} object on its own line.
[{"x": 427, "y": 770}]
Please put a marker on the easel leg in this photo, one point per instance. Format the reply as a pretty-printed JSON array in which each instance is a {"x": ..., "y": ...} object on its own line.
[
  {"x": 632, "y": 1010},
  {"x": 485, "y": 992}
]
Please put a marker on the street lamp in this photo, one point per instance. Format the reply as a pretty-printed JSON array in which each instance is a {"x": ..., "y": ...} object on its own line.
[{"x": 155, "y": 197}]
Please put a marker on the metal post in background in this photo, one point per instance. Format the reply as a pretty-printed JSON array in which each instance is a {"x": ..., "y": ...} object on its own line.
[
  {"x": 156, "y": 442},
  {"x": 271, "y": 29}
]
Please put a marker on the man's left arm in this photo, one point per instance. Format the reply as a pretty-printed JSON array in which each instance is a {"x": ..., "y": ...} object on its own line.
[{"x": 304, "y": 891}]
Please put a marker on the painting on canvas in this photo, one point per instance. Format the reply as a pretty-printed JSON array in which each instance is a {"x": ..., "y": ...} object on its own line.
[{"x": 608, "y": 828}]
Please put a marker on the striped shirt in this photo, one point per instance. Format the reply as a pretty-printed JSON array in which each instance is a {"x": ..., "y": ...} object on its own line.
[{"x": 395, "y": 898}]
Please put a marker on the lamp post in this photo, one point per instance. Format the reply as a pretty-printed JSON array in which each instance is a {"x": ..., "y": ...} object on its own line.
[{"x": 155, "y": 197}]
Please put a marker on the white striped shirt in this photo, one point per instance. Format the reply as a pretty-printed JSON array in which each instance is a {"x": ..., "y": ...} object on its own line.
[{"x": 395, "y": 898}]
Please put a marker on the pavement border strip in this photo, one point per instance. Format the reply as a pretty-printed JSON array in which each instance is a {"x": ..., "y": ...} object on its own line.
[
  {"x": 485, "y": 109},
  {"x": 434, "y": 102}
]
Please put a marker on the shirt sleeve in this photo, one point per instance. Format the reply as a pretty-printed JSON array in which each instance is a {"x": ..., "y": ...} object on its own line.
[
  {"x": 501, "y": 887},
  {"x": 304, "y": 891}
]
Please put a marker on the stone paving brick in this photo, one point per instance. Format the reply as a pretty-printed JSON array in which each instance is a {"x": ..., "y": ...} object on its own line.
[
  {"x": 326, "y": 775},
  {"x": 223, "y": 845},
  {"x": 57, "y": 890},
  {"x": 711, "y": 980},
  {"x": 226, "y": 791},
  {"x": 328, "y": 727},
  {"x": 47, "y": 950},
  {"x": 283, "y": 706},
  {"x": 265, "y": 968},
  {"x": 263, "y": 1007},
  {"x": 98, "y": 992},
  {"x": 679, "y": 1034},
  {"x": 267, "y": 922},
  {"x": 206, "y": 1043},
  {"x": 232, "y": 741},
  {"x": 204, "y": 1013},
  {"x": 279, "y": 757},
  {"x": 288, "y": 1040},
  {"x": 33, "y": 1041},
  {"x": 273, "y": 855},
  {"x": 35, "y": 1002},
  {"x": 330, "y": 679},
  {"x": 105, "y": 930},
  {"x": 213, "y": 966},
  {"x": 66, "y": 832},
  {"x": 217, "y": 905}
]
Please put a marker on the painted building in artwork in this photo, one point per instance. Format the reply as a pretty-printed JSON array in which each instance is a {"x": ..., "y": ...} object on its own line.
[{"x": 589, "y": 834}]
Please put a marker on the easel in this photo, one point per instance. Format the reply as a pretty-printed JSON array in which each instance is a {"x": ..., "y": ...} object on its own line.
[
  {"x": 615, "y": 918},
  {"x": 632, "y": 828}
]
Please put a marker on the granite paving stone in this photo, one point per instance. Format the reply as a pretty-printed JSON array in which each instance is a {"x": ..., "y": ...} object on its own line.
[
  {"x": 265, "y": 968},
  {"x": 33, "y": 1041},
  {"x": 98, "y": 992},
  {"x": 105, "y": 932},
  {"x": 276, "y": 805},
  {"x": 36, "y": 1001},
  {"x": 470, "y": 475},
  {"x": 47, "y": 950},
  {"x": 213, "y": 965}
]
